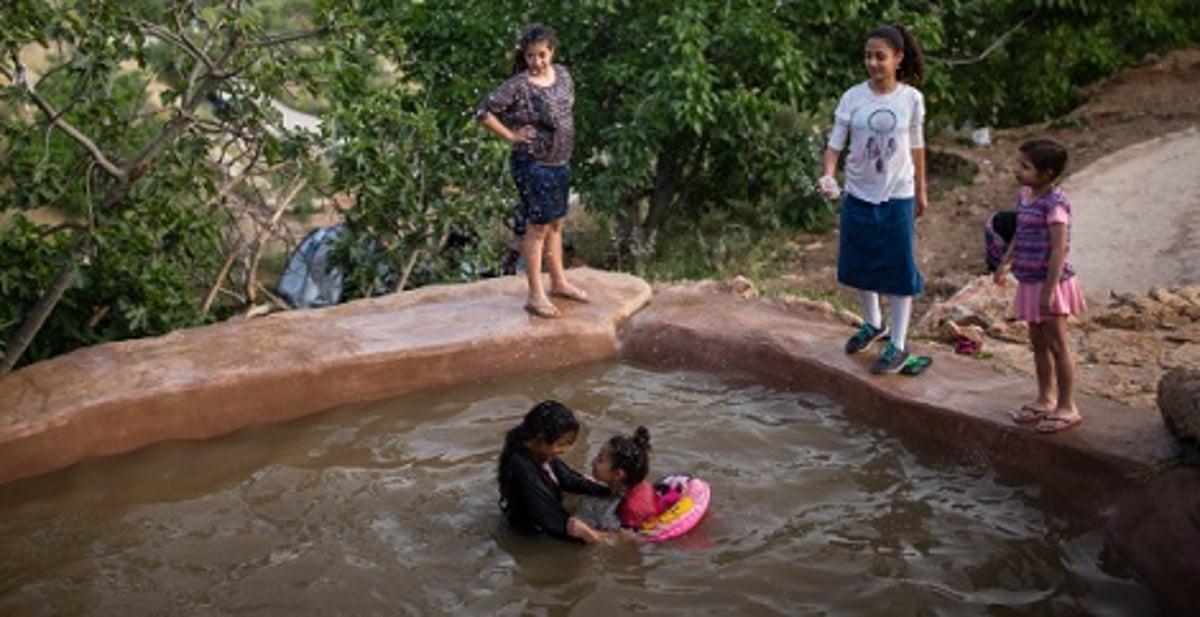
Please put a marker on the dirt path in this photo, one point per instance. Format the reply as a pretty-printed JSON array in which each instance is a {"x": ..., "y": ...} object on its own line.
[{"x": 1137, "y": 216}]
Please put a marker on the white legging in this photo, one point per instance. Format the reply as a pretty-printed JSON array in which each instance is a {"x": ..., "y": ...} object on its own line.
[{"x": 901, "y": 308}]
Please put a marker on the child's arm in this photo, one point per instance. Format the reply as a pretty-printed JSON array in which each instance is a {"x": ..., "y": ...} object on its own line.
[
  {"x": 1001, "y": 273},
  {"x": 1054, "y": 270},
  {"x": 581, "y": 531},
  {"x": 572, "y": 481},
  {"x": 493, "y": 124},
  {"x": 918, "y": 159}
]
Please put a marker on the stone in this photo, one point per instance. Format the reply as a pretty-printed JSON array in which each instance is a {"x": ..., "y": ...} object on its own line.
[
  {"x": 1186, "y": 334},
  {"x": 981, "y": 302},
  {"x": 1179, "y": 402},
  {"x": 1121, "y": 347},
  {"x": 1186, "y": 355},
  {"x": 1126, "y": 318},
  {"x": 739, "y": 286},
  {"x": 1155, "y": 530}
]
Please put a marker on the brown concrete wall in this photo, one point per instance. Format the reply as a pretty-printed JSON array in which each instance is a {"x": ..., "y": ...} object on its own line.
[
  {"x": 210, "y": 381},
  {"x": 959, "y": 405}
]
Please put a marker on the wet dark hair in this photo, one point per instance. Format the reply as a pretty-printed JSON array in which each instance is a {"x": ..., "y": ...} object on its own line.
[
  {"x": 912, "y": 66},
  {"x": 1048, "y": 156},
  {"x": 631, "y": 454},
  {"x": 548, "y": 420},
  {"x": 533, "y": 33}
]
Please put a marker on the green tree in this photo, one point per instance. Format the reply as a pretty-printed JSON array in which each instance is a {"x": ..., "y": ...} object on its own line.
[{"x": 693, "y": 116}]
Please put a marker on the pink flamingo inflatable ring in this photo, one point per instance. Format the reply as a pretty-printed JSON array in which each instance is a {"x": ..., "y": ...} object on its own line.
[{"x": 686, "y": 499}]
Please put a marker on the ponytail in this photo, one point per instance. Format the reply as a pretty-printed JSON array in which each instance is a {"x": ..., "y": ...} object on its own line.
[{"x": 912, "y": 66}]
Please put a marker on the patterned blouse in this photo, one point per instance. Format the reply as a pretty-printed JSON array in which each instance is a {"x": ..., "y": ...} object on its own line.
[
  {"x": 517, "y": 103},
  {"x": 1031, "y": 250}
]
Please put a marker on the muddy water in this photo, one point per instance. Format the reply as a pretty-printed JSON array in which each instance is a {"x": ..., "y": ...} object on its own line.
[{"x": 391, "y": 509}]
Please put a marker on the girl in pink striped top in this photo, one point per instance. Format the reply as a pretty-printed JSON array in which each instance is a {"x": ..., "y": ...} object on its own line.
[{"x": 1047, "y": 289}]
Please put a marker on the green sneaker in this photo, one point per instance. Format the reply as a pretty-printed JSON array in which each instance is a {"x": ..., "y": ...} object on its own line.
[
  {"x": 862, "y": 339},
  {"x": 890, "y": 361}
]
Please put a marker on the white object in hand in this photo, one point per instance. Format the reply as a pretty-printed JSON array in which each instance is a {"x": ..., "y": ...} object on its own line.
[{"x": 828, "y": 187}]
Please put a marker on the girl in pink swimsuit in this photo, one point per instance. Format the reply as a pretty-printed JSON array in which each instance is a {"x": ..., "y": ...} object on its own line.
[{"x": 622, "y": 464}]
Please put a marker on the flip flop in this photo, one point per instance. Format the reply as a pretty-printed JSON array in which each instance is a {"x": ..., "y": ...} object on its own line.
[
  {"x": 570, "y": 293},
  {"x": 915, "y": 365},
  {"x": 1029, "y": 414},
  {"x": 1054, "y": 424},
  {"x": 545, "y": 311}
]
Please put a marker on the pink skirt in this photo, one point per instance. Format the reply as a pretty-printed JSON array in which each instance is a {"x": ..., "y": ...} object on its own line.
[{"x": 1067, "y": 300}]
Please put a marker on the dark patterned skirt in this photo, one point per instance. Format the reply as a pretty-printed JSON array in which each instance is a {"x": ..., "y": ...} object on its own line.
[
  {"x": 544, "y": 192},
  {"x": 876, "y": 247}
]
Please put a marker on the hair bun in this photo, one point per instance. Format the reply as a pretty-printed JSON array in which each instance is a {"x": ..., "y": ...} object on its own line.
[{"x": 641, "y": 437}]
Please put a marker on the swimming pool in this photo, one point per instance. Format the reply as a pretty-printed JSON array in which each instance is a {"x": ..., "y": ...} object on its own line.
[{"x": 390, "y": 508}]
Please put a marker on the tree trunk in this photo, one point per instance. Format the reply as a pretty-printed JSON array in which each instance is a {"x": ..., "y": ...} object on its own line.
[{"x": 21, "y": 339}]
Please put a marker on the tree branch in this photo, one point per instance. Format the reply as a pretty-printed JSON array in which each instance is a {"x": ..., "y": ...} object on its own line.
[
  {"x": 83, "y": 140},
  {"x": 987, "y": 52}
]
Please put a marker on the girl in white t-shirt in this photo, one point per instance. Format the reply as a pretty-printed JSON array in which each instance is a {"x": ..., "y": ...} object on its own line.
[{"x": 882, "y": 118}]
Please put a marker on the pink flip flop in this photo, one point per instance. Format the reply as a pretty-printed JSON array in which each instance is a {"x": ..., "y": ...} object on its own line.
[
  {"x": 1054, "y": 424},
  {"x": 1029, "y": 414}
]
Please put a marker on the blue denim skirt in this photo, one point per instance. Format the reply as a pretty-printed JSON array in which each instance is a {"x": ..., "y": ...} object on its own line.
[
  {"x": 544, "y": 192},
  {"x": 876, "y": 249}
]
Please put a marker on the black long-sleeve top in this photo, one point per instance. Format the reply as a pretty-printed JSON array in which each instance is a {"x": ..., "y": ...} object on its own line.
[{"x": 534, "y": 500}]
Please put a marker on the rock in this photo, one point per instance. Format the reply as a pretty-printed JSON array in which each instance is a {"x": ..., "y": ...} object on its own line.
[
  {"x": 1179, "y": 402},
  {"x": 1126, "y": 318},
  {"x": 979, "y": 303},
  {"x": 1155, "y": 530},
  {"x": 1161, "y": 307},
  {"x": 1186, "y": 334},
  {"x": 1121, "y": 347},
  {"x": 1186, "y": 355},
  {"x": 737, "y": 286}
]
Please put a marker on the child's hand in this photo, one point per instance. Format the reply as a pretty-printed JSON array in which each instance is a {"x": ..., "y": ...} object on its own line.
[
  {"x": 1044, "y": 304},
  {"x": 827, "y": 186},
  {"x": 579, "y": 529},
  {"x": 524, "y": 134}
]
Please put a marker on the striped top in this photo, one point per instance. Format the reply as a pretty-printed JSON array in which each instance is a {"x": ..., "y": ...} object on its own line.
[{"x": 1031, "y": 253}]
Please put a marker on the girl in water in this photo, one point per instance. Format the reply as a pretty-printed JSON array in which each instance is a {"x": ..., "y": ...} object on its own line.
[
  {"x": 622, "y": 464},
  {"x": 533, "y": 477}
]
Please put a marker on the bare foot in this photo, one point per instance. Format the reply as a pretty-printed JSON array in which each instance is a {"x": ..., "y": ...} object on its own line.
[
  {"x": 570, "y": 292},
  {"x": 542, "y": 308}
]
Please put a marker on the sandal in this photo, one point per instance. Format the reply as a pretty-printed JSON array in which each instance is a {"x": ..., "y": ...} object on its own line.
[
  {"x": 545, "y": 311},
  {"x": 570, "y": 293},
  {"x": 1054, "y": 424},
  {"x": 1029, "y": 414}
]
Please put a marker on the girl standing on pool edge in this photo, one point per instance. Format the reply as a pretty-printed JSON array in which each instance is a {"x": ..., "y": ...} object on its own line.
[
  {"x": 532, "y": 111},
  {"x": 883, "y": 118},
  {"x": 533, "y": 477},
  {"x": 1047, "y": 289}
]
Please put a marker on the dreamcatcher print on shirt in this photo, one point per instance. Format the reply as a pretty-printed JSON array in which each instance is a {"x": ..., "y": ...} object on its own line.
[{"x": 881, "y": 145}]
